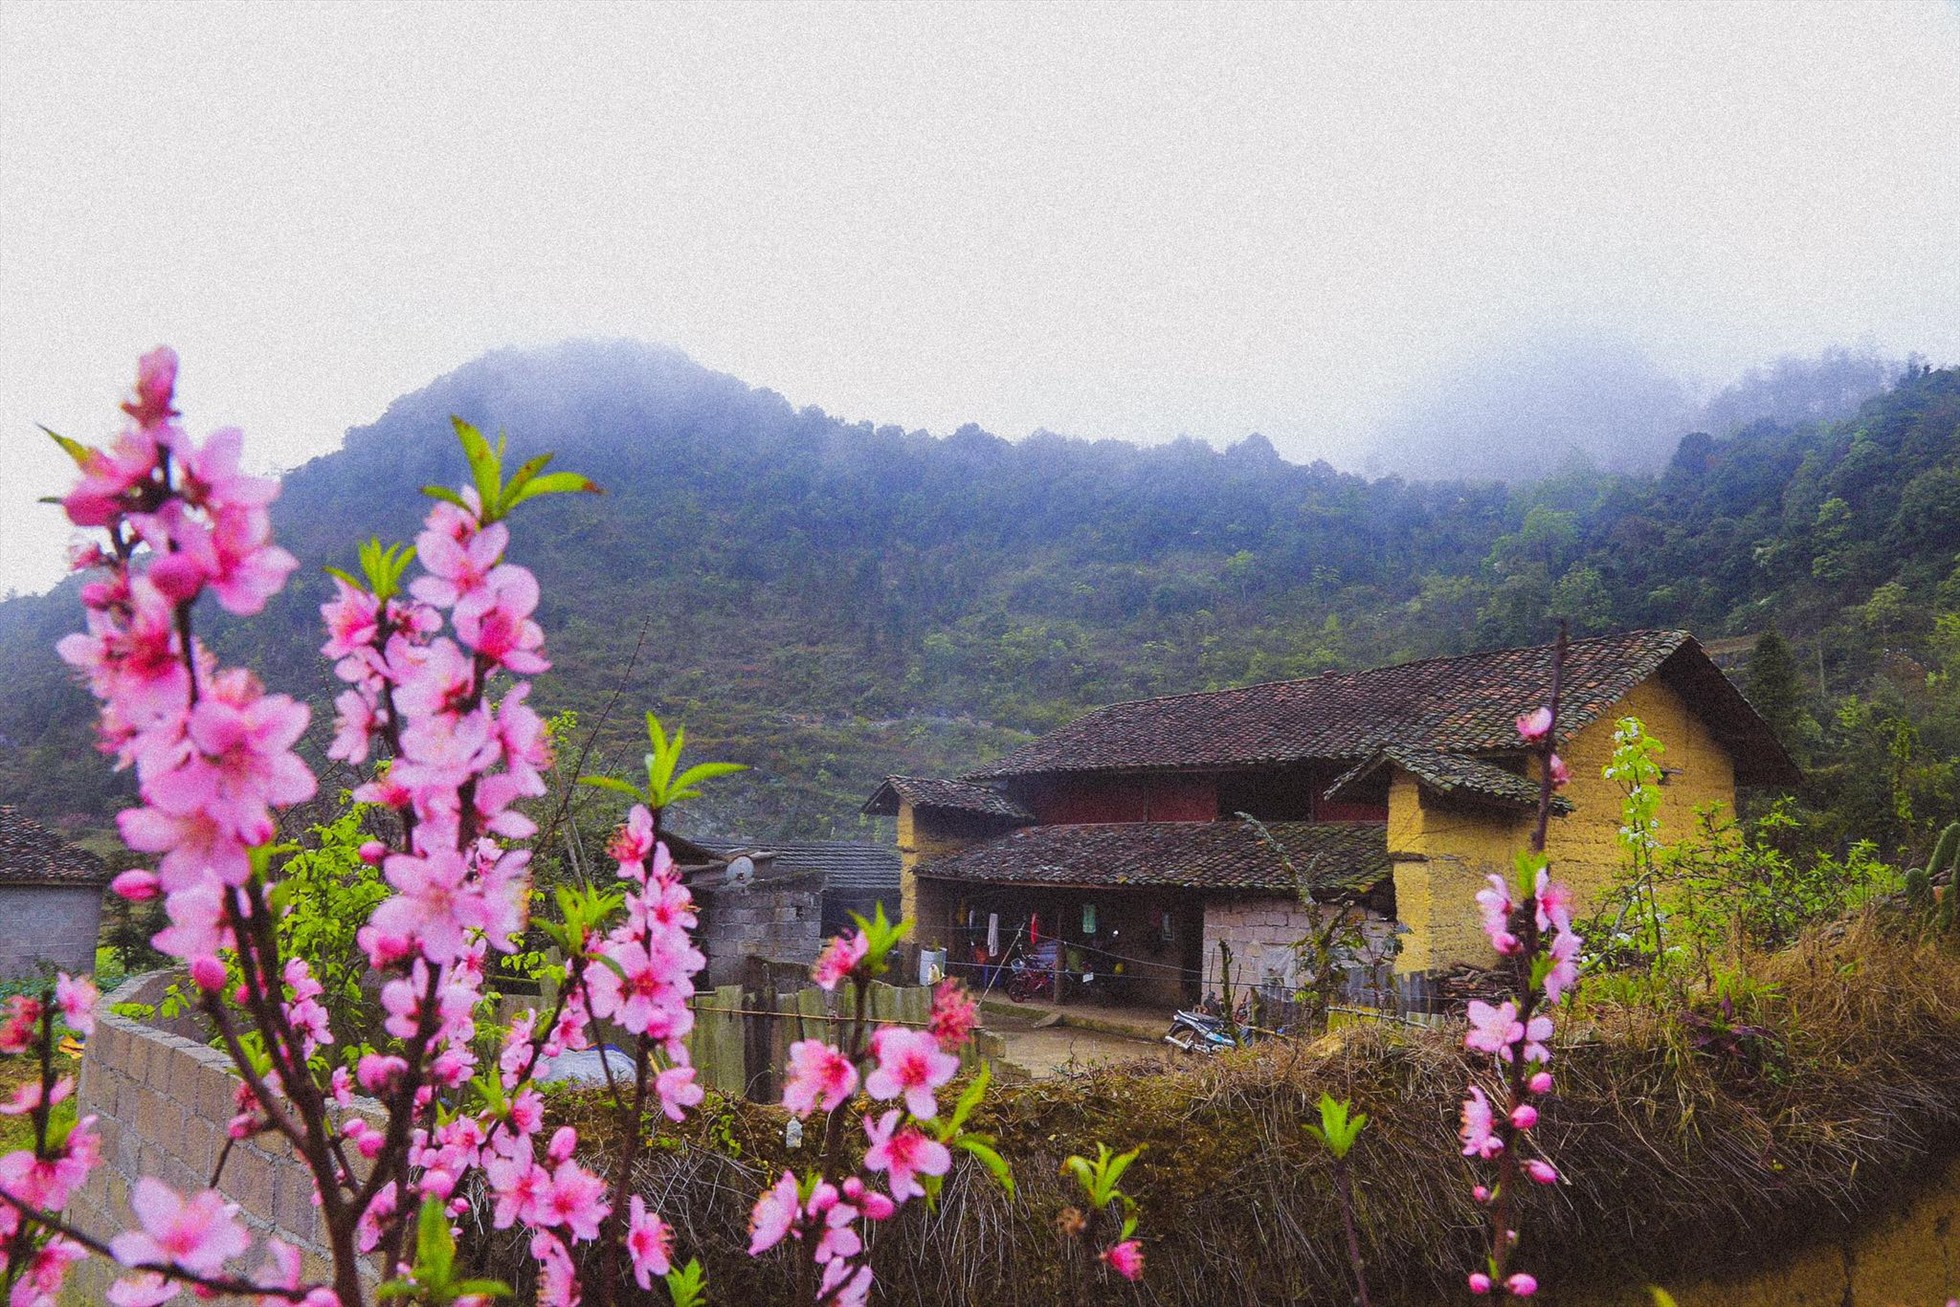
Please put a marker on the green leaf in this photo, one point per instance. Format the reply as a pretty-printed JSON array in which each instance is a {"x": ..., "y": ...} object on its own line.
[
  {"x": 969, "y": 1099},
  {"x": 75, "y": 449},
  {"x": 435, "y": 1247},
  {"x": 1662, "y": 1298},
  {"x": 447, "y": 496},
  {"x": 612, "y": 783},
  {"x": 992, "y": 1160},
  {"x": 1337, "y": 1129},
  {"x": 531, "y": 467},
  {"x": 688, "y": 1285},
  {"x": 1117, "y": 1165},
  {"x": 486, "y": 464},
  {"x": 555, "y": 483},
  {"x": 707, "y": 771},
  {"x": 482, "y": 1288}
]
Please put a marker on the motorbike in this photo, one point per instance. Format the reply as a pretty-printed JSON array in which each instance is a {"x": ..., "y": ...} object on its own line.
[{"x": 1205, "y": 1030}]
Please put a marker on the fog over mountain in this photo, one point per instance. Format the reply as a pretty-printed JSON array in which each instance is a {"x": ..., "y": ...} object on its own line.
[{"x": 1521, "y": 413}]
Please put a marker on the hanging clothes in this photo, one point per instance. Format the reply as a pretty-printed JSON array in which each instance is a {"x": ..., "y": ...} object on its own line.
[
  {"x": 993, "y": 934},
  {"x": 1034, "y": 928}
]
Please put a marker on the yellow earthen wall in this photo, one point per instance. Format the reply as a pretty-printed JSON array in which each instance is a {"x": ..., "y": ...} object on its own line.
[
  {"x": 1908, "y": 1256},
  {"x": 1444, "y": 851},
  {"x": 918, "y": 842}
]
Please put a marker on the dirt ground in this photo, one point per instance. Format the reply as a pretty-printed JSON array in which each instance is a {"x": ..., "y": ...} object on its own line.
[{"x": 1060, "y": 1049}]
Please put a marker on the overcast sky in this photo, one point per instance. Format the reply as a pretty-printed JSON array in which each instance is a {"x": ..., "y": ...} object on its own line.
[{"x": 1117, "y": 220}]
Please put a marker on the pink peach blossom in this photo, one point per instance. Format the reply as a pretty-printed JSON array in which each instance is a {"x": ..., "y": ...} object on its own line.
[
  {"x": 199, "y": 1234},
  {"x": 649, "y": 1242},
  {"x": 910, "y": 1063},
  {"x": 820, "y": 1076},
  {"x": 1532, "y": 726},
  {"x": 903, "y": 1155}
]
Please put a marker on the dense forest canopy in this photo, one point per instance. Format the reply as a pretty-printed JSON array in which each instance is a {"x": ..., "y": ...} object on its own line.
[{"x": 830, "y": 602}]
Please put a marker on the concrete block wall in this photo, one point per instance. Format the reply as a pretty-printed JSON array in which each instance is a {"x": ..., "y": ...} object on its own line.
[
  {"x": 162, "y": 1102},
  {"x": 782, "y": 922},
  {"x": 53, "y": 923},
  {"x": 1263, "y": 933}
]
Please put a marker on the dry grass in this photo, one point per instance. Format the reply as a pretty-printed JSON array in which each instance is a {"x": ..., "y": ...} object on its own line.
[{"x": 1676, "y": 1159}]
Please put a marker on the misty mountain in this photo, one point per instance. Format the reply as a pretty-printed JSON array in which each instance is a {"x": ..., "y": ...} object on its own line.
[
  {"x": 830, "y": 602},
  {"x": 1523, "y": 413},
  {"x": 1527, "y": 412}
]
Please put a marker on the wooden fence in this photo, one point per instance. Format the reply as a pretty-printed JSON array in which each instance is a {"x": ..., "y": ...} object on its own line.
[{"x": 742, "y": 1033}]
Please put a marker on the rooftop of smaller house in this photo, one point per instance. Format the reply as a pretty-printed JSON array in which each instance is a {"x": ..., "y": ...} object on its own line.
[
  {"x": 31, "y": 854},
  {"x": 1451, "y": 775},
  {"x": 1327, "y": 858},
  {"x": 845, "y": 864},
  {"x": 1465, "y": 705},
  {"x": 943, "y": 796}
]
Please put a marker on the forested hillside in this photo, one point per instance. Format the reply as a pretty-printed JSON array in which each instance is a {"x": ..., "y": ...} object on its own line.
[{"x": 830, "y": 602}]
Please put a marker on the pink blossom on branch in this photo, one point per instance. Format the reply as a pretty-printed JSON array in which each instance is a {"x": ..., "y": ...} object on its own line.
[
  {"x": 910, "y": 1065},
  {"x": 903, "y": 1155},
  {"x": 199, "y": 1234},
  {"x": 839, "y": 958},
  {"x": 820, "y": 1077}
]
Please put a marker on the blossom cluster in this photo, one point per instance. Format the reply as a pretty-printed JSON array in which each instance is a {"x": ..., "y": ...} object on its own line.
[
  {"x": 42, "y": 1177},
  {"x": 1533, "y": 931},
  {"x": 433, "y": 676},
  {"x": 907, "y": 1144}
]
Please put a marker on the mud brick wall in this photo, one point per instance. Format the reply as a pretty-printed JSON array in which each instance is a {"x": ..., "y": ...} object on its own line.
[{"x": 161, "y": 1102}]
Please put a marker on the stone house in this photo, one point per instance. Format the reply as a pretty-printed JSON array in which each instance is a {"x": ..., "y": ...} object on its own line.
[
  {"x": 50, "y": 900},
  {"x": 1391, "y": 792}
]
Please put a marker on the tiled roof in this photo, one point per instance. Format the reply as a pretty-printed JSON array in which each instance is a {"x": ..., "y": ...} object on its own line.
[
  {"x": 1449, "y": 774},
  {"x": 845, "y": 864},
  {"x": 1467, "y": 704},
  {"x": 1332, "y": 856},
  {"x": 30, "y": 854},
  {"x": 949, "y": 796}
]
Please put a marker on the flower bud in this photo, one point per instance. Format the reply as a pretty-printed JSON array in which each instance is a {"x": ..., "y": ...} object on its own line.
[
  {"x": 372, "y": 852},
  {"x": 1541, "y": 1172},
  {"x": 1524, "y": 1116},
  {"x": 208, "y": 974},
  {"x": 1521, "y": 1285},
  {"x": 1480, "y": 1193},
  {"x": 135, "y": 885},
  {"x": 1541, "y": 1083},
  {"x": 1479, "y": 1283}
]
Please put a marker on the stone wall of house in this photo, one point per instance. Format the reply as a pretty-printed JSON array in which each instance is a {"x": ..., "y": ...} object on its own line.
[
  {"x": 778, "y": 920},
  {"x": 161, "y": 1103},
  {"x": 53, "y": 923},
  {"x": 1264, "y": 932}
]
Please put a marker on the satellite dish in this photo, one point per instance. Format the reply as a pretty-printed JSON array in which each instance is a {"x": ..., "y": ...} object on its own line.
[{"x": 741, "y": 870}]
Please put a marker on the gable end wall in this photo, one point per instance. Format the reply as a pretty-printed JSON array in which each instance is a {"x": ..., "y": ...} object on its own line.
[{"x": 1444, "y": 851}]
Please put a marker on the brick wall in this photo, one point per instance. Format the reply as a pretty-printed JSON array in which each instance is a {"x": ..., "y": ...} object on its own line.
[
  {"x": 161, "y": 1103},
  {"x": 57, "y": 923}
]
